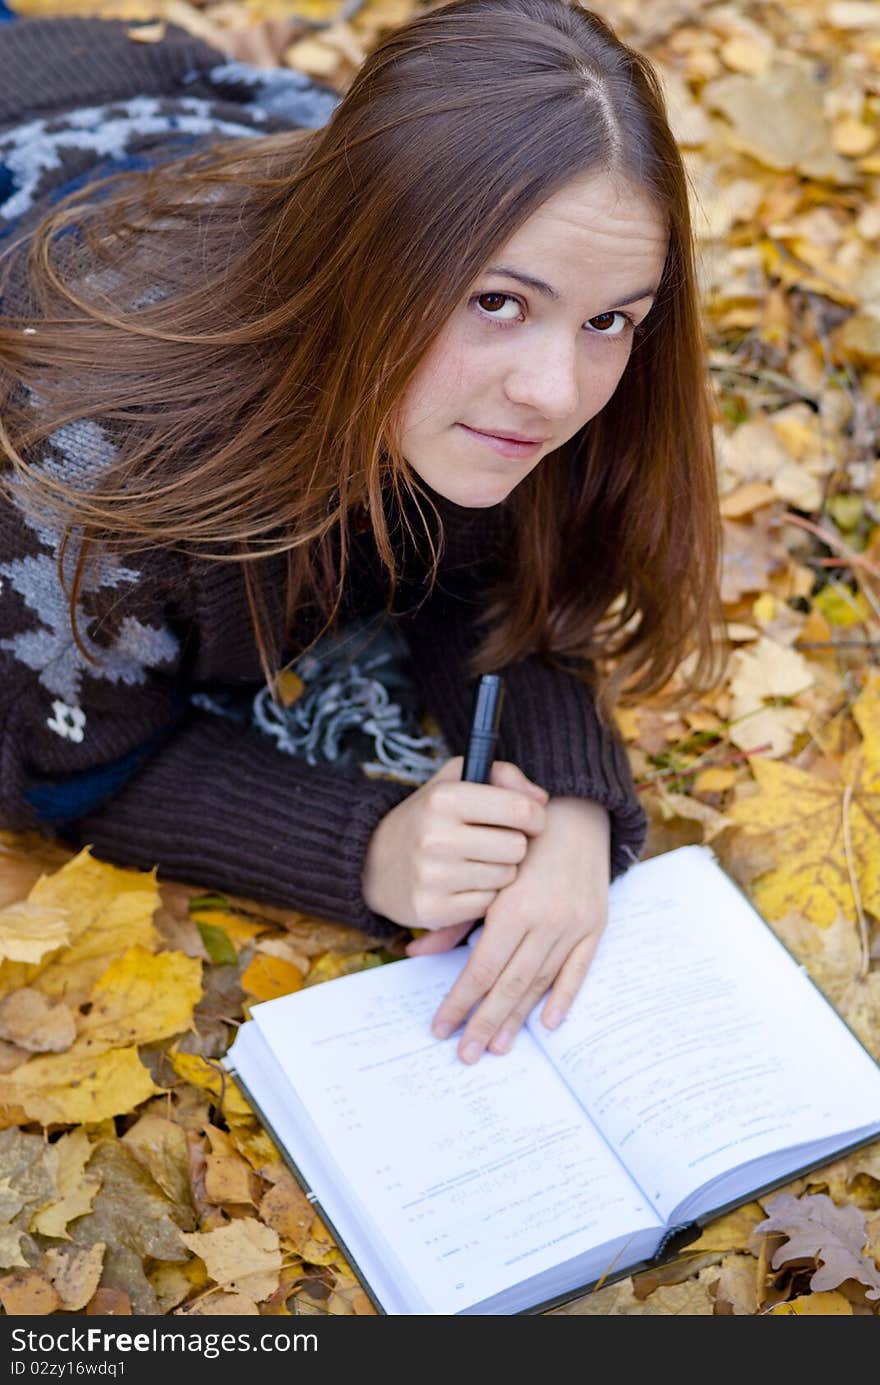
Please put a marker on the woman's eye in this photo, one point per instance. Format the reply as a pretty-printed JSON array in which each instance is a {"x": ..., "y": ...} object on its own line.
[
  {"x": 609, "y": 317},
  {"x": 612, "y": 324},
  {"x": 489, "y": 303}
]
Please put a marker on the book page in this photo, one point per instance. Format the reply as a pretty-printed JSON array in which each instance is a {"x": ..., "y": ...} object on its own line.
[
  {"x": 479, "y": 1176},
  {"x": 696, "y": 1042}
]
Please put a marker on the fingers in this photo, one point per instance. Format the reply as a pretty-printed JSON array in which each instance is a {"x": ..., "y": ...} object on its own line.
[
  {"x": 489, "y": 806},
  {"x": 569, "y": 981},
  {"x": 487, "y": 974},
  {"x": 439, "y": 939},
  {"x": 505, "y": 775},
  {"x": 528, "y": 974},
  {"x": 469, "y": 904}
]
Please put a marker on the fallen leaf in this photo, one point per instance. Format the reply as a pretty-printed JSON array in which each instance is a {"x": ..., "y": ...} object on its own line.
[
  {"x": 823, "y": 1305},
  {"x": 134, "y": 1220},
  {"x": 29, "y": 931},
  {"x": 268, "y": 977},
  {"x": 69, "y": 1157},
  {"x": 287, "y": 1210},
  {"x": 107, "y": 910},
  {"x": 29, "y": 1020},
  {"x": 736, "y": 1289},
  {"x": 211, "y": 1078},
  {"x": 109, "y": 1303},
  {"x": 818, "y": 1230},
  {"x": 27, "y": 1293},
  {"x": 731, "y": 1232},
  {"x": 244, "y": 1257},
  {"x": 141, "y": 997},
  {"x": 160, "y": 1146},
  {"x": 237, "y": 1305},
  {"x": 690, "y": 1299},
  {"x": 74, "y": 1274},
  {"x": 75, "y": 1087}
]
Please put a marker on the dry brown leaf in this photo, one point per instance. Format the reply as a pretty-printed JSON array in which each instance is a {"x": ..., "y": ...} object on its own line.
[
  {"x": 74, "y": 1274},
  {"x": 109, "y": 1303},
  {"x": 817, "y": 1230},
  {"x": 28, "y": 1293},
  {"x": 736, "y": 1291},
  {"x": 160, "y": 1146},
  {"x": 287, "y": 1210},
  {"x": 32, "y": 1022},
  {"x": 693, "y": 1298}
]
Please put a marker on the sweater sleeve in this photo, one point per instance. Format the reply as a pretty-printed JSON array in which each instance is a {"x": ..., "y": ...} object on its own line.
[
  {"x": 549, "y": 724},
  {"x": 113, "y": 754}
]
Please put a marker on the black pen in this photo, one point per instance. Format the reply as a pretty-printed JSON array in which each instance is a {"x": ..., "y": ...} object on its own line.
[
  {"x": 482, "y": 737},
  {"x": 483, "y": 734}
]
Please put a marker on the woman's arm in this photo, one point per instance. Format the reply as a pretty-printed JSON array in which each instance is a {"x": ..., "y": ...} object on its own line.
[{"x": 116, "y": 757}]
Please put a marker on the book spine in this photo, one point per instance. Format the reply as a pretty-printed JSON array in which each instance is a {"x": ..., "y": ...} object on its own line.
[{"x": 675, "y": 1239}]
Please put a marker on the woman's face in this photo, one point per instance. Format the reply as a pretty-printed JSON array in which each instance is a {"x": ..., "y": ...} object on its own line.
[{"x": 535, "y": 361}]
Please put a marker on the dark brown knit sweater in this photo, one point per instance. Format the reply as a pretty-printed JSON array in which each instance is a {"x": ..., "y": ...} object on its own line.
[{"x": 149, "y": 778}]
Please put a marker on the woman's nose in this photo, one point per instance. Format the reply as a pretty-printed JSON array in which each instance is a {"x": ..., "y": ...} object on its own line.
[{"x": 545, "y": 381}]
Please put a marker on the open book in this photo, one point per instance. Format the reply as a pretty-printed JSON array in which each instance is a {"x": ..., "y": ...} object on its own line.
[{"x": 698, "y": 1066}]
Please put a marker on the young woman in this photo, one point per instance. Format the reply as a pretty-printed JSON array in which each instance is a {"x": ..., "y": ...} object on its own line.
[{"x": 436, "y": 354}]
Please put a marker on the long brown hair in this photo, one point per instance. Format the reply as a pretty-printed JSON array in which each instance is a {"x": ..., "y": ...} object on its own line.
[{"x": 262, "y": 304}]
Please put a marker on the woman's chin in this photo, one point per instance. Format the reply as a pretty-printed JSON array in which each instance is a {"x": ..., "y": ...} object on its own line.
[{"x": 474, "y": 495}]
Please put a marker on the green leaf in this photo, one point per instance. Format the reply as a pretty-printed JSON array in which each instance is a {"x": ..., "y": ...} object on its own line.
[{"x": 218, "y": 944}]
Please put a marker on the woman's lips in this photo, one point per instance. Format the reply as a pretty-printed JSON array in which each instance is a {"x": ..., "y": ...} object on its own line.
[{"x": 505, "y": 446}]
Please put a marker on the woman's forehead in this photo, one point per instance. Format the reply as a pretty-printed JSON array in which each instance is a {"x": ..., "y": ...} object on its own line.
[{"x": 597, "y": 221}]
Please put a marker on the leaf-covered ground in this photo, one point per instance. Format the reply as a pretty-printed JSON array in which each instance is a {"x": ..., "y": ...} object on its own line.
[{"x": 156, "y": 1191}]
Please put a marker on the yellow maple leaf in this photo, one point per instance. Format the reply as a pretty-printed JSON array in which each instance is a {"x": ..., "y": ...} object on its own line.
[
  {"x": 67, "y": 1160},
  {"x": 75, "y": 1087},
  {"x": 107, "y": 909},
  {"x": 244, "y": 1257},
  {"x": 28, "y": 931},
  {"x": 268, "y": 977},
  {"x": 209, "y": 1078},
  {"x": 830, "y": 1304},
  {"x": 141, "y": 997},
  {"x": 805, "y": 814}
]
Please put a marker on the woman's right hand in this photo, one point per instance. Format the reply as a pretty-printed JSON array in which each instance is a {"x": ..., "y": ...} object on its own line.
[{"x": 443, "y": 853}]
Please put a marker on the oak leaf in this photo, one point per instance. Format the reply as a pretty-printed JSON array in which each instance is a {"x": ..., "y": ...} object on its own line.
[{"x": 817, "y": 1229}]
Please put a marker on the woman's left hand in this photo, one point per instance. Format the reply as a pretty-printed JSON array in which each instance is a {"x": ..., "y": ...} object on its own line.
[{"x": 541, "y": 930}]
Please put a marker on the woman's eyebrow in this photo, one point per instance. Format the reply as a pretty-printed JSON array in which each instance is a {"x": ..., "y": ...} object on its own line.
[{"x": 532, "y": 283}]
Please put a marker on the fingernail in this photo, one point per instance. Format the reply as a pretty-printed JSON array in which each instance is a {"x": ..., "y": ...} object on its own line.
[
  {"x": 471, "y": 1052},
  {"x": 553, "y": 1018},
  {"x": 502, "y": 1041},
  {"x": 441, "y": 1029}
]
